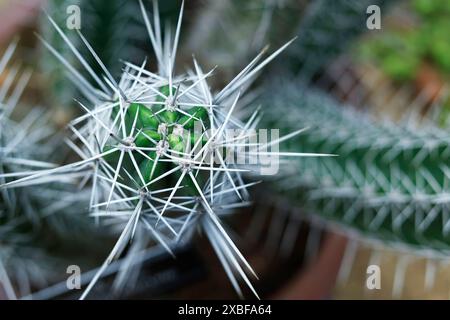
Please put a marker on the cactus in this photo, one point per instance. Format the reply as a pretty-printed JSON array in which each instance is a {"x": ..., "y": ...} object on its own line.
[
  {"x": 388, "y": 182},
  {"x": 21, "y": 148},
  {"x": 28, "y": 223},
  {"x": 156, "y": 149},
  {"x": 256, "y": 27},
  {"x": 113, "y": 29},
  {"x": 61, "y": 91},
  {"x": 21, "y": 143},
  {"x": 325, "y": 31}
]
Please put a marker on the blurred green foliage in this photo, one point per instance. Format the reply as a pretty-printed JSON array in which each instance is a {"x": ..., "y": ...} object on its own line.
[{"x": 400, "y": 51}]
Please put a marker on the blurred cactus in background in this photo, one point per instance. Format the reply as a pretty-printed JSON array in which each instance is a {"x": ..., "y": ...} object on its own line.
[
  {"x": 388, "y": 181},
  {"x": 33, "y": 221},
  {"x": 325, "y": 31},
  {"x": 61, "y": 90},
  {"x": 22, "y": 147},
  {"x": 266, "y": 22},
  {"x": 114, "y": 30}
]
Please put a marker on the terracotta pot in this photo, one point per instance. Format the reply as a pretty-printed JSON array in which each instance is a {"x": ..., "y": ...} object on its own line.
[
  {"x": 316, "y": 280},
  {"x": 430, "y": 84}
]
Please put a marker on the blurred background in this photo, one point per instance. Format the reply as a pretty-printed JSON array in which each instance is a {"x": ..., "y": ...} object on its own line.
[{"x": 397, "y": 76}]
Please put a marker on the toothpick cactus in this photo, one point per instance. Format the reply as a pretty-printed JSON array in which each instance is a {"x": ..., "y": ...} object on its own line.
[
  {"x": 388, "y": 181},
  {"x": 157, "y": 152}
]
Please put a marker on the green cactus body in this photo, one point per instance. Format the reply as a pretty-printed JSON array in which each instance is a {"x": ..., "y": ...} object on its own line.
[
  {"x": 168, "y": 128},
  {"x": 387, "y": 181}
]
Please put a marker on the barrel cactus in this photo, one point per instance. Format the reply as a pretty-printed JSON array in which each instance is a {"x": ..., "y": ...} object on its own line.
[{"x": 165, "y": 153}]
